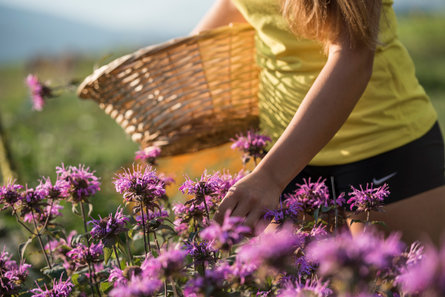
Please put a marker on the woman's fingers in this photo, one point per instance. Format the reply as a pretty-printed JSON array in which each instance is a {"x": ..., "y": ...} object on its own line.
[
  {"x": 242, "y": 209},
  {"x": 228, "y": 203},
  {"x": 253, "y": 219}
]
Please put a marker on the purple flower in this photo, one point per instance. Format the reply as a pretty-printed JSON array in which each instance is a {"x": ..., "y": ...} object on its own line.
[
  {"x": 224, "y": 236},
  {"x": 31, "y": 201},
  {"x": 140, "y": 185},
  {"x": 208, "y": 185},
  {"x": 363, "y": 254},
  {"x": 273, "y": 249},
  {"x": 149, "y": 154},
  {"x": 153, "y": 219},
  {"x": 106, "y": 229},
  {"x": 252, "y": 145},
  {"x": 227, "y": 181},
  {"x": 368, "y": 199},
  {"x": 171, "y": 261},
  {"x": 187, "y": 212},
  {"x": 12, "y": 275},
  {"x": 42, "y": 216},
  {"x": 9, "y": 195},
  {"x": 80, "y": 256},
  {"x": 60, "y": 289},
  {"x": 426, "y": 276},
  {"x": 212, "y": 283},
  {"x": 138, "y": 286},
  {"x": 83, "y": 183},
  {"x": 59, "y": 190},
  {"x": 201, "y": 252},
  {"x": 302, "y": 288},
  {"x": 39, "y": 92},
  {"x": 291, "y": 211},
  {"x": 313, "y": 195}
]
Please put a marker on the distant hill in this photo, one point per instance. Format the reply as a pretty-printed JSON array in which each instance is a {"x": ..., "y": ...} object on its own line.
[
  {"x": 24, "y": 34},
  {"x": 404, "y": 6}
]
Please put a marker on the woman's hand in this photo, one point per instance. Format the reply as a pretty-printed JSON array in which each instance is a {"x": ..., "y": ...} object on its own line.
[{"x": 251, "y": 197}]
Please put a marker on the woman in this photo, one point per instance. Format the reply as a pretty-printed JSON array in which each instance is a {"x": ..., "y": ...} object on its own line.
[{"x": 345, "y": 100}]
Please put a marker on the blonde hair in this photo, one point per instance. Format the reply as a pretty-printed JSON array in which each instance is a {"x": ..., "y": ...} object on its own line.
[{"x": 329, "y": 20}]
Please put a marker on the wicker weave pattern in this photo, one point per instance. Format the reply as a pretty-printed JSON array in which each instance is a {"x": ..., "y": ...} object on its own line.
[{"x": 183, "y": 95}]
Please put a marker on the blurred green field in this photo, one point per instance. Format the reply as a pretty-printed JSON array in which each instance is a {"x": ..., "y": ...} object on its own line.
[{"x": 76, "y": 131}]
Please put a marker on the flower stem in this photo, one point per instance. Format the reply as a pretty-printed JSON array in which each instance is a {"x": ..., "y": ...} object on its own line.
[
  {"x": 42, "y": 246},
  {"x": 144, "y": 231},
  {"x": 154, "y": 233},
  {"x": 367, "y": 220},
  {"x": 117, "y": 257},
  {"x": 335, "y": 205},
  {"x": 173, "y": 286},
  {"x": 207, "y": 210},
  {"x": 91, "y": 270}
]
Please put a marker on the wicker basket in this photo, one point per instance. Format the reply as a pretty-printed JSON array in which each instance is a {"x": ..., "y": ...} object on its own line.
[{"x": 185, "y": 94}]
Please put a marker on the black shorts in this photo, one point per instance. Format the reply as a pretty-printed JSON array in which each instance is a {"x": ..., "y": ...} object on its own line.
[{"x": 408, "y": 170}]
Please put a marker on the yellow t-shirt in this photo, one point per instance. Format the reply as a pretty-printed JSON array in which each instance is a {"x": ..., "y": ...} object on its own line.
[{"x": 393, "y": 110}]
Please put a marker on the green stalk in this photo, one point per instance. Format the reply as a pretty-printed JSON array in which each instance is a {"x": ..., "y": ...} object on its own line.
[{"x": 91, "y": 269}]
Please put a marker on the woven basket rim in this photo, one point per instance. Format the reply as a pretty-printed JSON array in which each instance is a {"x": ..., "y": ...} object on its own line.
[{"x": 174, "y": 42}]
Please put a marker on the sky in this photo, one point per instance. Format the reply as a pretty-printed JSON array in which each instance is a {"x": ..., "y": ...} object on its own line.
[
  {"x": 170, "y": 15},
  {"x": 123, "y": 15}
]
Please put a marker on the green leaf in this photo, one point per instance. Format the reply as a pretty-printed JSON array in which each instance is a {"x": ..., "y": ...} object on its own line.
[
  {"x": 316, "y": 213},
  {"x": 105, "y": 287},
  {"x": 107, "y": 254},
  {"x": 23, "y": 246},
  {"x": 166, "y": 227},
  {"x": 130, "y": 233},
  {"x": 55, "y": 272},
  {"x": 326, "y": 209},
  {"x": 379, "y": 223},
  {"x": 75, "y": 279},
  {"x": 355, "y": 221}
]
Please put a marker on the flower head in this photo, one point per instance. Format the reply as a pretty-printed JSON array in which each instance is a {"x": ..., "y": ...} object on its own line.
[
  {"x": 59, "y": 190},
  {"x": 273, "y": 249},
  {"x": 80, "y": 254},
  {"x": 302, "y": 288},
  {"x": 224, "y": 236},
  {"x": 153, "y": 219},
  {"x": 138, "y": 286},
  {"x": 141, "y": 184},
  {"x": 60, "y": 288},
  {"x": 9, "y": 195},
  {"x": 106, "y": 229},
  {"x": 370, "y": 198},
  {"x": 252, "y": 144},
  {"x": 149, "y": 154},
  {"x": 208, "y": 185},
  {"x": 12, "y": 275},
  {"x": 39, "y": 91},
  {"x": 83, "y": 183},
  {"x": 364, "y": 254},
  {"x": 45, "y": 215},
  {"x": 313, "y": 195},
  {"x": 426, "y": 275},
  {"x": 201, "y": 252}
]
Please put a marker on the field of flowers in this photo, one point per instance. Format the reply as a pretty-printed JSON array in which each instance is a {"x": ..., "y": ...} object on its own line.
[
  {"x": 136, "y": 231},
  {"x": 151, "y": 247}
]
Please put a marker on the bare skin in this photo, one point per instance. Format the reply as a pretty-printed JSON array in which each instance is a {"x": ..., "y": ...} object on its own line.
[{"x": 332, "y": 98}]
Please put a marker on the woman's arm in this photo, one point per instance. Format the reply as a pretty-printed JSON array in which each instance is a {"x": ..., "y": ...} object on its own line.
[
  {"x": 323, "y": 111},
  {"x": 223, "y": 12}
]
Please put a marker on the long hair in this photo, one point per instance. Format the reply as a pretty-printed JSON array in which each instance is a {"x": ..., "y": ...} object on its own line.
[{"x": 329, "y": 20}]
